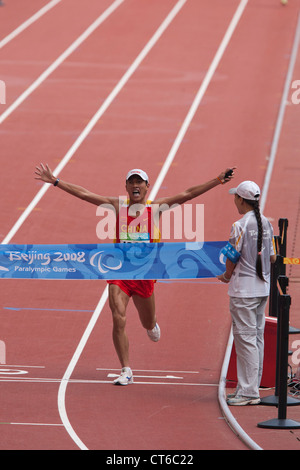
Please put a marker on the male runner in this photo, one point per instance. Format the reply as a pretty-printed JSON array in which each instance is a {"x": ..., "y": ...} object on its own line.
[{"x": 141, "y": 291}]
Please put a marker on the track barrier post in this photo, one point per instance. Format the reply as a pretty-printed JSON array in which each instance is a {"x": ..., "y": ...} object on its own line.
[
  {"x": 283, "y": 225},
  {"x": 278, "y": 268},
  {"x": 281, "y": 422},
  {"x": 279, "y": 284},
  {"x": 273, "y": 400}
]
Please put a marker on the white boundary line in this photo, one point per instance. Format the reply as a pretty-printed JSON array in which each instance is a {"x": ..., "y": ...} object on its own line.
[
  {"x": 222, "y": 384},
  {"x": 237, "y": 429},
  {"x": 179, "y": 384},
  {"x": 164, "y": 170},
  {"x": 35, "y": 424},
  {"x": 26, "y": 367},
  {"x": 28, "y": 22},
  {"x": 60, "y": 60},
  {"x": 152, "y": 370}
]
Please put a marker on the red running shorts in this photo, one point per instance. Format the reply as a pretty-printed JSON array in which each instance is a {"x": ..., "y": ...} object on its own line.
[{"x": 142, "y": 288}]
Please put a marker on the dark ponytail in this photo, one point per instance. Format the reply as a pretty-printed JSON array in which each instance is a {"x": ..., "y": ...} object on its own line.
[{"x": 255, "y": 205}]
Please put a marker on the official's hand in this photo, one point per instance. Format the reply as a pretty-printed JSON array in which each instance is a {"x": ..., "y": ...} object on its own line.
[{"x": 223, "y": 278}]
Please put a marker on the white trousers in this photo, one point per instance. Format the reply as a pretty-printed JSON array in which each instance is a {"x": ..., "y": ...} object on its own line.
[{"x": 248, "y": 324}]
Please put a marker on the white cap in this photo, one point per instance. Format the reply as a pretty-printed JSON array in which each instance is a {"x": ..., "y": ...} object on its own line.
[
  {"x": 138, "y": 172},
  {"x": 247, "y": 190}
]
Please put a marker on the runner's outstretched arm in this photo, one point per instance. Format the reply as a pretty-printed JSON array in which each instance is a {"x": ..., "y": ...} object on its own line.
[
  {"x": 45, "y": 174},
  {"x": 196, "y": 191}
]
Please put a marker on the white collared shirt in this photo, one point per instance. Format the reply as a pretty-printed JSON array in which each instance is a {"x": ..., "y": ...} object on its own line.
[{"x": 244, "y": 281}]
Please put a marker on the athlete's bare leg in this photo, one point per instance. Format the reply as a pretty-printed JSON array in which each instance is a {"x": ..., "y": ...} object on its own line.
[
  {"x": 146, "y": 310},
  {"x": 118, "y": 302}
]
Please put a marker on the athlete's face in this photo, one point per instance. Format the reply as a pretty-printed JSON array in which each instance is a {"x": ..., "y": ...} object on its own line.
[{"x": 137, "y": 189}]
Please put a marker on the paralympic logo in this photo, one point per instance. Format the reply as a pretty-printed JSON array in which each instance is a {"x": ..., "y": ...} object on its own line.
[{"x": 100, "y": 260}]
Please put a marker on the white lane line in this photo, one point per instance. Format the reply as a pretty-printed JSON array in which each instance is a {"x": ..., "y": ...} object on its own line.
[
  {"x": 12, "y": 372},
  {"x": 28, "y": 22},
  {"x": 110, "y": 375},
  {"x": 29, "y": 380},
  {"x": 41, "y": 380},
  {"x": 26, "y": 367},
  {"x": 35, "y": 424},
  {"x": 177, "y": 383},
  {"x": 154, "y": 370},
  {"x": 164, "y": 170},
  {"x": 60, "y": 60},
  {"x": 64, "y": 382}
]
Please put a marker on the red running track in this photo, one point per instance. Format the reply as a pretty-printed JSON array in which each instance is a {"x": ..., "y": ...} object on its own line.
[{"x": 51, "y": 399}]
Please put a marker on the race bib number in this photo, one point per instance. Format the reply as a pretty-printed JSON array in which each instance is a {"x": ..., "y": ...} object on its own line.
[{"x": 134, "y": 237}]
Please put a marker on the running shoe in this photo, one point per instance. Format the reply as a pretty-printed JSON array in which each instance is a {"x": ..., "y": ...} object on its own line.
[
  {"x": 154, "y": 334},
  {"x": 125, "y": 377},
  {"x": 241, "y": 401}
]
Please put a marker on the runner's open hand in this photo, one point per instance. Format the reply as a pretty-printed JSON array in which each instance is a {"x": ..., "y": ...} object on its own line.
[{"x": 44, "y": 174}]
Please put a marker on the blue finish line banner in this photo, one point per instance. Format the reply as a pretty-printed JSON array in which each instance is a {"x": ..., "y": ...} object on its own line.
[{"x": 113, "y": 261}]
